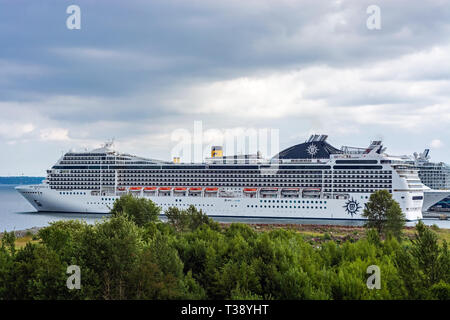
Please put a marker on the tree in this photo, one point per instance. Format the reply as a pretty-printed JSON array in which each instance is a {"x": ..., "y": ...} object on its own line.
[
  {"x": 9, "y": 241},
  {"x": 426, "y": 251},
  {"x": 384, "y": 214},
  {"x": 424, "y": 266},
  {"x": 140, "y": 210},
  {"x": 395, "y": 220},
  {"x": 198, "y": 218},
  {"x": 108, "y": 255},
  {"x": 159, "y": 272},
  {"x": 63, "y": 237},
  {"x": 177, "y": 218},
  {"x": 6, "y": 269}
]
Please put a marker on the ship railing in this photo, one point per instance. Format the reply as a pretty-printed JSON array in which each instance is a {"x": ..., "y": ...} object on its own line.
[{"x": 353, "y": 150}]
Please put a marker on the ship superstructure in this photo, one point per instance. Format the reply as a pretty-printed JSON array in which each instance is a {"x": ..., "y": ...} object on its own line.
[{"x": 309, "y": 180}]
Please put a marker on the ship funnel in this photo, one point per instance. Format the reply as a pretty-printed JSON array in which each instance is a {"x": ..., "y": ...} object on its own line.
[
  {"x": 216, "y": 151},
  {"x": 317, "y": 138}
]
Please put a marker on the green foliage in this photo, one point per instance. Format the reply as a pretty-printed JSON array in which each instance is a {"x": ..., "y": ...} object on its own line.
[
  {"x": 109, "y": 251},
  {"x": 64, "y": 237},
  {"x": 36, "y": 272},
  {"x": 140, "y": 210},
  {"x": 435, "y": 227},
  {"x": 384, "y": 214},
  {"x": 424, "y": 267},
  {"x": 177, "y": 218},
  {"x": 9, "y": 241},
  {"x": 426, "y": 252},
  {"x": 441, "y": 290},
  {"x": 395, "y": 220},
  {"x": 6, "y": 271},
  {"x": 190, "y": 257},
  {"x": 373, "y": 237}
]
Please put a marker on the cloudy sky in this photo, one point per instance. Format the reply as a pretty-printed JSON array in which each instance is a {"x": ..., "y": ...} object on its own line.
[{"x": 139, "y": 70}]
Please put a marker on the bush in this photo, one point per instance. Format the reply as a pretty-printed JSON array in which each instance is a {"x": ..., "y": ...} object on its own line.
[
  {"x": 326, "y": 236},
  {"x": 189, "y": 219},
  {"x": 384, "y": 214},
  {"x": 140, "y": 210}
]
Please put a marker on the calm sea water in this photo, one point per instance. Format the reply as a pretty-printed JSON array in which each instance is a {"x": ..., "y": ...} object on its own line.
[{"x": 17, "y": 214}]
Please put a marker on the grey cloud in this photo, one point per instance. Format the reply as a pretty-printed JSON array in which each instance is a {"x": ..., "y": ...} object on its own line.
[
  {"x": 217, "y": 40},
  {"x": 130, "y": 70}
]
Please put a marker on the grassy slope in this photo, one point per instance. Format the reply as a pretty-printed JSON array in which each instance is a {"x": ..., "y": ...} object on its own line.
[
  {"x": 21, "y": 242},
  {"x": 315, "y": 233},
  {"x": 342, "y": 233}
]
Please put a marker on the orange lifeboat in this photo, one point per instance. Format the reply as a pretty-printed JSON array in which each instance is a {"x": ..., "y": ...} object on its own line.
[
  {"x": 195, "y": 189},
  {"x": 179, "y": 189},
  {"x": 211, "y": 189},
  {"x": 250, "y": 190},
  {"x": 135, "y": 188},
  {"x": 150, "y": 188},
  {"x": 121, "y": 188},
  {"x": 165, "y": 188}
]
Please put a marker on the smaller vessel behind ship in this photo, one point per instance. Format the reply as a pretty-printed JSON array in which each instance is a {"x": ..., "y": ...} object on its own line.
[{"x": 436, "y": 178}]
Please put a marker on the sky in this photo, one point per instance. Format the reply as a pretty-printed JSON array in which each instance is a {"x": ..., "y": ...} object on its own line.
[{"x": 139, "y": 71}]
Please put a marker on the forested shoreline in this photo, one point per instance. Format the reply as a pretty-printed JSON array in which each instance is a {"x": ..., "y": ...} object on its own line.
[{"x": 134, "y": 255}]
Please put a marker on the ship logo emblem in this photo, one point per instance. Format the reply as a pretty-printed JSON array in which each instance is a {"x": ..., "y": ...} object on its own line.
[
  {"x": 312, "y": 149},
  {"x": 352, "y": 207}
]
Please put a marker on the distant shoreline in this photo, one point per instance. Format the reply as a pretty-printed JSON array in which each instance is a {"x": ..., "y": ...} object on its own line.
[{"x": 20, "y": 180}]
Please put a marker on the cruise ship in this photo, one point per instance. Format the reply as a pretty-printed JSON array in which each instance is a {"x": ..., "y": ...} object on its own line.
[
  {"x": 308, "y": 180},
  {"x": 436, "y": 177}
]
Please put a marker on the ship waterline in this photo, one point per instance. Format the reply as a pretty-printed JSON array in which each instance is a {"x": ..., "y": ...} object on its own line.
[{"x": 309, "y": 180}]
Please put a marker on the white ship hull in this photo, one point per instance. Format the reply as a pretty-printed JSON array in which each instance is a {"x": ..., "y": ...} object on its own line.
[{"x": 43, "y": 198}]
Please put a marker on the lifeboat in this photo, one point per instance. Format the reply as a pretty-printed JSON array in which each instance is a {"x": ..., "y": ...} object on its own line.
[
  {"x": 165, "y": 188},
  {"x": 211, "y": 189},
  {"x": 135, "y": 188},
  {"x": 150, "y": 189},
  {"x": 269, "y": 190},
  {"x": 195, "y": 189},
  {"x": 179, "y": 189},
  {"x": 311, "y": 192},
  {"x": 250, "y": 190},
  {"x": 121, "y": 188},
  {"x": 290, "y": 190}
]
